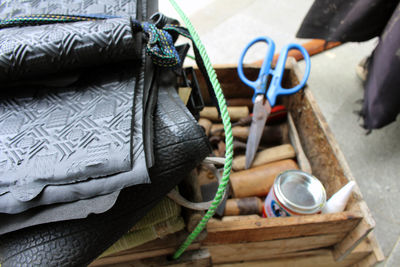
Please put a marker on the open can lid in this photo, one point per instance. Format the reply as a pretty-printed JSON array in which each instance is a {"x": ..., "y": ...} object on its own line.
[{"x": 300, "y": 192}]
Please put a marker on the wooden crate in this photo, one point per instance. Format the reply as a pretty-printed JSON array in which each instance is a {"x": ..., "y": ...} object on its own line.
[
  {"x": 279, "y": 253},
  {"x": 338, "y": 239}
]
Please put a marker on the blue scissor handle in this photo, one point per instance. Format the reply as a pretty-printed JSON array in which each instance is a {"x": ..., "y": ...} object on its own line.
[
  {"x": 275, "y": 87},
  {"x": 260, "y": 84}
]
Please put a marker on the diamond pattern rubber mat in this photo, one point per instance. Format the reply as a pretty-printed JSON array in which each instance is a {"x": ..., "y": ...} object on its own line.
[
  {"x": 37, "y": 51},
  {"x": 88, "y": 188},
  {"x": 12, "y": 8},
  {"x": 62, "y": 136}
]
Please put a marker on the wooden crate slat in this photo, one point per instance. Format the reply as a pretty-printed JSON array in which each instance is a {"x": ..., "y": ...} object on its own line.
[
  {"x": 315, "y": 257},
  {"x": 193, "y": 258},
  {"x": 322, "y": 260},
  {"x": 225, "y": 253},
  {"x": 252, "y": 230},
  {"x": 328, "y": 162},
  {"x": 345, "y": 246},
  {"x": 373, "y": 258}
]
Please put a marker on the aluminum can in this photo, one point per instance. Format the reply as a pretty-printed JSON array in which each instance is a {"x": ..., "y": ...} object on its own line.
[{"x": 294, "y": 193}]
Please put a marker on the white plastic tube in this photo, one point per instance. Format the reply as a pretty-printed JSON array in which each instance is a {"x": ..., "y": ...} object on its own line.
[{"x": 338, "y": 201}]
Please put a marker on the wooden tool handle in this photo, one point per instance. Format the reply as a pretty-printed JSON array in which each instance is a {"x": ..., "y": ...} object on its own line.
[
  {"x": 271, "y": 134},
  {"x": 240, "y": 102},
  {"x": 206, "y": 124},
  {"x": 217, "y": 129},
  {"x": 257, "y": 181},
  {"x": 240, "y": 218},
  {"x": 313, "y": 47},
  {"x": 243, "y": 206},
  {"x": 236, "y": 113},
  {"x": 276, "y": 153},
  {"x": 241, "y": 132}
]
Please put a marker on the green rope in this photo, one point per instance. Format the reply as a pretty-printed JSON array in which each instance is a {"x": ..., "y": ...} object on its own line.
[{"x": 228, "y": 133}]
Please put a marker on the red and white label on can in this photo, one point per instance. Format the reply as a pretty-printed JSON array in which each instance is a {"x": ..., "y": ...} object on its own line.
[
  {"x": 306, "y": 190},
  {"x": 273, "y": 208}
]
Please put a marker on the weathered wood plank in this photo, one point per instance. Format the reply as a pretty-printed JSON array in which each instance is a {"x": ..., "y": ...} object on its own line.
[
  {"x": 345, "y": 246},
  {"x": 375, "y": 257},
  {"x": 265, "y": 253},
  {"x": 264, "y": 250},
  {"x": 375, "y": 247},
  {"x": 314, "y": 257},
  {"x": 264, "y": 229},
  {"x": 323, "y": 260},
  {"x": 194, "y": 258},
  {"x": 301, "y": 157},
  {"x": 327, "y": 160}
]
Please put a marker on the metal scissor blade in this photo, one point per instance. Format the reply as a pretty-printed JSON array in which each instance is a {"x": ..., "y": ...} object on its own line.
[{"x": 260, "y": 115}]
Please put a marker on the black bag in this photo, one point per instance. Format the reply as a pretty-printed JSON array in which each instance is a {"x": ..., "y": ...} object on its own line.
[{"x": 94, "y": 133}]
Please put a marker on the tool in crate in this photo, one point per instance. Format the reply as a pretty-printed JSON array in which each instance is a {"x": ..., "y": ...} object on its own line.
[{"x": 262, "y": 110}]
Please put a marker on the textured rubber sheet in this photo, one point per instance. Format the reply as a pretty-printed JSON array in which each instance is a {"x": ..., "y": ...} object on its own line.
[
  {"x": 176, "y": 133},
  {"x": 83, "y": 206},
  {"x": 64, "y": 135},
  {"x": 57, "y": 212},
  {"x": 63, "y": 145},
  {"x": 35, "y": 52},
  {"x": 58, "y": 138},
  {"x": 99, "y": 204},
  {"x": 12, "y": 8}
]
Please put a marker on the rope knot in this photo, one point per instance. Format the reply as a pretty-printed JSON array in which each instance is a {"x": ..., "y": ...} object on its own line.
[{"x": 160, "y": 46}]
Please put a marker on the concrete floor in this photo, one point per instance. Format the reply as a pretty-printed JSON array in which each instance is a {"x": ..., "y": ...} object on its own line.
[{"x": 226, "y": 26}]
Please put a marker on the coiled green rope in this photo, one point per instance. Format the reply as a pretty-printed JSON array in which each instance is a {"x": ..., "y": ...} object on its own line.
[{"x": 228, "y": 133}]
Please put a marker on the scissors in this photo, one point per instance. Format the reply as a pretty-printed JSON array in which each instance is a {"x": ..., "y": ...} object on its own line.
[{"x": 262, "y": 110}]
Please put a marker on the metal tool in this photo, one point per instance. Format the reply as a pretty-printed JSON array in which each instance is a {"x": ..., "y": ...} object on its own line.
[{"x": 262, "y": 110}]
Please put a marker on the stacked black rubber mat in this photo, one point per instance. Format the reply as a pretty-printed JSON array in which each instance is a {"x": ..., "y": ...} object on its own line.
[{"x": 92, "y": 133}]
